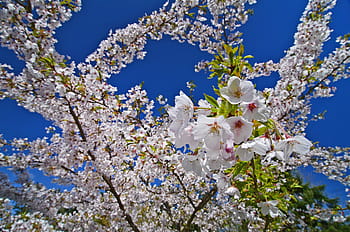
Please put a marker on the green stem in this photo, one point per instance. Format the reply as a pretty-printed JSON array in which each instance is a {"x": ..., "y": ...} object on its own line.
[{"x": 254, "y": 175}]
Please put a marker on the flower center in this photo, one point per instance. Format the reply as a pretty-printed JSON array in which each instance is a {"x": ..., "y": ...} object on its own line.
[
  {"x": 214, "y": 128},
  {"x": 238, "y": 124},
  {"x": 252, "y": 106},
  {"x": 237, "y": 93}
]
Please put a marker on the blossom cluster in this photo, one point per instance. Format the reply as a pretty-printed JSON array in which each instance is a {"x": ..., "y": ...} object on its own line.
[
  {"x": 217, "y": 139},
  {"x": 302, "y": 75},
  {"x": 218, "y": 165}
]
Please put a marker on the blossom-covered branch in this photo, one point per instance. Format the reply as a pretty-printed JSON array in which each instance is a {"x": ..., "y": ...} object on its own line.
[{"x": 220, "y": 164}]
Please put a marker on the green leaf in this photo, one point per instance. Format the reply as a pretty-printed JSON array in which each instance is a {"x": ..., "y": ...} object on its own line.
[
  {"x": 241, "y": 50},
  {"x": 211, "y": 100},
  {"x": 228, "y": 48},
  {"x": 191, "y": 15},
  {"x": 217, "y": 91},
  {"x": 212, "y": 76},
  {"x": 235, "y": 49},
  {"x": 239, "y": 167},
  {"x": 295, "y": 185},
  {"x": 249, "y": 66},
  {"x": 228, "y": 108},
  {"x": 48, "y": 60},
  {"x": 69, "y": 3},
  {"x": 102, "y": 220},
  {"x": 269, "y": 124},
  {"x": 231, "y": 56},
  {"x": 260, "y": 131}
]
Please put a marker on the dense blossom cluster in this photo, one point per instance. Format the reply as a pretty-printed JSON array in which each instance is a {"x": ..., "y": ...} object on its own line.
[
  {"x": 218, "y": 142},
  {"x": 219, "y": 165}
]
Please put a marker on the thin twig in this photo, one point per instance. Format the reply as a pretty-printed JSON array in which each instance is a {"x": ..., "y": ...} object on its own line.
[{"x": 184, "y": 189}]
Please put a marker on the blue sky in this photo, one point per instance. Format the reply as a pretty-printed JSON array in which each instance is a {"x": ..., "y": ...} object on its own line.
[{"x": 168, "y": 64}]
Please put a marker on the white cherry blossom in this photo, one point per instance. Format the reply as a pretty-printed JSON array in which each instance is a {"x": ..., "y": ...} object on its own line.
[
  {"x": 203, "y": 107},
  {"x": 298, "y": 144},
  {"x": 192, "y": 163},
  {"x": 256, "y": 110},
  {"x": 241, "y": 128},
  {"x": 186, "y": 137},
  {"x": 181, "y": 113},
  {"x": 238, "y": 90},
  {"x": 125, "y": 164},
  {"x": 233, "y": 192},
  {"x": 246, "y": 150},
  {"x": 213, "y": 130},
  {"x": 269, "y": 208},
  {"x": 219, "y": 159}
]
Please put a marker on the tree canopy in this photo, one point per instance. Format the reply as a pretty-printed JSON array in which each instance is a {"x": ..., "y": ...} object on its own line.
[{"x": 221, "y": 163}]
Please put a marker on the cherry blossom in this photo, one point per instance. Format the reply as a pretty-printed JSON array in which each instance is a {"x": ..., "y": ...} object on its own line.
[
  {"x": 181, "y": 113},
  {"x": 186, "y": 137},
  {"x": 234, "y": 192},
  {"x": 256, "y": 110},
  {"x": 214, "y": 131},
  {"x": 269, "y": 208},
  {"x": 238, "y": 90},
  {"x": 298, "y": 144},
  {"x": 192, "y": 163},
  {"x": 241, "y": 128},
  {"x": 246, "y": 150},
  {"x": 129, "y": 169}
]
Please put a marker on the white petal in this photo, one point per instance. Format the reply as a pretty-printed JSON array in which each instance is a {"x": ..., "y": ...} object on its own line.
[
  {"x": 212, "y": 141},
  {"x": 201, "y": 129},
  {"x": 191, "y": 163},
  {"x": 186, "y": 137},
  {"x": 280, "y": 155},
  {"x": 234, "y": 192},
  {"x": 244, "y": 154},
  {"x": 248, "y": 91},
  {"x": 242, "y": 129},
  {"x": 232, "y": 92},
  {"x": 302, "y": 145},
  {"x": 260, "y": 147}
]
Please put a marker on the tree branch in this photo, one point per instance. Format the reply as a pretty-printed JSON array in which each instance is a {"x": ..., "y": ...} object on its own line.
[
  {"x": 120, "y": 203},
  {"x": 322, "y": 80},
  {"x": 184, "y": 189},
  {"x": 27, "y": 6},
  {"x": 200, "y": 206},
  {"x": 104, "y": 177},
  {"x": 80, "y": 127}
]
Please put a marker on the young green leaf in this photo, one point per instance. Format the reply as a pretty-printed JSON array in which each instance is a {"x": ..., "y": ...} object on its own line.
[{"x": 211, "y": 100}]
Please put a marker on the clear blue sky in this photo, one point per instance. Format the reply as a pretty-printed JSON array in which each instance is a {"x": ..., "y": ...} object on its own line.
[{"x": 168, "y": 64}]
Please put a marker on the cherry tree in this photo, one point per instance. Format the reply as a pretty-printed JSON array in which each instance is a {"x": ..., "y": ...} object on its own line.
[{"x": 221, "y": 163}]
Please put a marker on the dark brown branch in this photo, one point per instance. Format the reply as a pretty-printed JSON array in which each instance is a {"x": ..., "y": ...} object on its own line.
[
  {"x": 77, "y": 121},
  {"x": 104, "y": 177},
  {"x": 322, "y": 80},
  {"x": 68, "y": 170},
  {"x": 184, "y": 189},
  {"x": 200, "y": 206},
  {"x": 27, "y": 6},
  {"x": 80, "y": 128},
  {"x": 146, "y": 182},
  {"x": 120, "y": 203}
]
